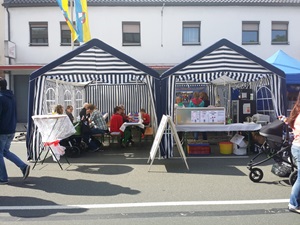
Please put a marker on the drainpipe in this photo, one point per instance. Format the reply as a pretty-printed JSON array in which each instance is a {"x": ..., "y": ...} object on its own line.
[
  {"x": 8, "y": 73},
  {"x": 8, "y": 30},
  {"x": 161, "y": 25}
]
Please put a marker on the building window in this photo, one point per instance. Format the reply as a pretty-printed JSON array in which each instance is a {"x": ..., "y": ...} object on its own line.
[
  {"x": 65, "y": 35},
  {"x": 131, "y": 33},
  {"x": 250, "y": 33},
  {"x": 191, "y": 33},
  {"x": 280, "y": 32},
  {"x": 38, "y": 33}
]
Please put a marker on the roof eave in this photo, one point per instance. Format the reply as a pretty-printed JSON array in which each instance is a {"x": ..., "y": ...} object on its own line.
[{"x": 155, "y": 4}]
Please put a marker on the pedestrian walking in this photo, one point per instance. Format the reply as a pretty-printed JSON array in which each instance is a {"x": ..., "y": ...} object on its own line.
[
  {"x": 294, "y": 123},
  {"x": 8, "y": 122}
]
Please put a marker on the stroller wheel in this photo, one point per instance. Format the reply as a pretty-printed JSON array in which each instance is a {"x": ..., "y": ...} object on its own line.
[
  {"x": 73, "y": 152},
  {"x": 293, "y": 177},
  {"x": 256, "y": 175},
  {"x": 83, "y": 146}
]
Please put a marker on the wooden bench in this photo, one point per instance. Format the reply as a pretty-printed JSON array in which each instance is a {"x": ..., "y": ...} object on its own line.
[
  {"x": 149, "y": 131},
  {"x": 100, "y": 137},
  {"x": 115, "y": 135}
]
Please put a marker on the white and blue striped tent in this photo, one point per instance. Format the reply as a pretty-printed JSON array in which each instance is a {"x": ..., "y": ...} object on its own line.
[
  {"x": 225, "y": 65},
  {"x": 106, "y": 77}
]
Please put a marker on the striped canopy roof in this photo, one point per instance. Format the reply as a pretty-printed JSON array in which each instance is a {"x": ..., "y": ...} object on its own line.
[
  {"x": 96, "y": 61},
  {"x": 223, "y": 62}
]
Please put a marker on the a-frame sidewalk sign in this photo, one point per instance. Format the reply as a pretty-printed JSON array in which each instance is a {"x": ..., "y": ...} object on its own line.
[{"x": 160, "y": 131}]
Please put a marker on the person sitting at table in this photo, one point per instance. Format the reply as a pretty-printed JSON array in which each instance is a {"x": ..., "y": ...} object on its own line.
[
  {"x": 96, "y": 120},
  {"x": 75, "y": 139},
  {"x": 69, "y": 111},
  {"x": 86, "y": 133},
  {"x": 59, "y": 109},
  {"x": 82, "y": 113},
  {"x": 124, "y": 116},
  {"x": 116, "y": 122},
  {"x": 146, "y": 121},
  {"x": 127, "y": 119}
]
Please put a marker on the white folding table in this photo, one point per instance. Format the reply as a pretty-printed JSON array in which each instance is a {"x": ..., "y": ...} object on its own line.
[{"x": 53, "y": 128}]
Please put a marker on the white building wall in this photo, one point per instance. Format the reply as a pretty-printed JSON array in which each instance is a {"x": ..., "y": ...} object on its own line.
[{"x": 161, "y": 36}]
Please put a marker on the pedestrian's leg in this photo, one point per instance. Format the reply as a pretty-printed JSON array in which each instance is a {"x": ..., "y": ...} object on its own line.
[
  {"x": 3, "y": 172},
  {"x": 90, "y": 143},
  {"x": 11, "y": 156},
  {"x": 295, "y": 193}
]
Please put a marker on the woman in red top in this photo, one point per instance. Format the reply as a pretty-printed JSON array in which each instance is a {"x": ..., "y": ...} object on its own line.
[{"x": 116, "y": 122}]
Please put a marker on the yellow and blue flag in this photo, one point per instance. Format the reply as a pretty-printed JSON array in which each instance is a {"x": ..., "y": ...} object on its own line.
[
  {"x": 82, "y": 22},
  {"x": 64, "y": 7}
]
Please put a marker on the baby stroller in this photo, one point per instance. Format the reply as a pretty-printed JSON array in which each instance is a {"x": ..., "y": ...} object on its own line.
[
  {"x": 74, "y": 144},
  {"x": 275, "y": 148}
]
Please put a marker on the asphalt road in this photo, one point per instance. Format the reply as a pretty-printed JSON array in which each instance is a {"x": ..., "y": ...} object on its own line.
[{"x": 115, "y": 187}]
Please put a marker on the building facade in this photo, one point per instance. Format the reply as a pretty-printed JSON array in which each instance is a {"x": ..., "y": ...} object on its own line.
[{"x": 159, "y": 34}]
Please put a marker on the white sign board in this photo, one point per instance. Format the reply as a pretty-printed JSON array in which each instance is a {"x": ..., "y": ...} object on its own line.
[
  {"x": 9, "y": 49},
  {"x": 160, "y": 131}
]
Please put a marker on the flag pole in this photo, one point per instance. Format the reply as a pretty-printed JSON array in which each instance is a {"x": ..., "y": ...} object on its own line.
[{"x": 71, "y": 7}]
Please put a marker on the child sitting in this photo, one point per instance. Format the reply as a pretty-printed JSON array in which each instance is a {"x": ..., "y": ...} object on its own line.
[{"x": 146, "y": 121}]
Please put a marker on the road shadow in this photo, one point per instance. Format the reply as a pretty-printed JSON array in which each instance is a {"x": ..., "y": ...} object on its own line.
[
  {"x": 103, "y": 169},
  {"x": 78, "y": 187},
  {"x": 14, "y": 208},
  {"x": 282, "y": 183}
]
